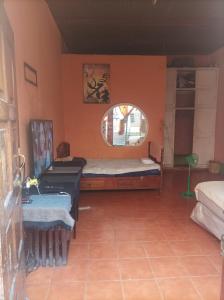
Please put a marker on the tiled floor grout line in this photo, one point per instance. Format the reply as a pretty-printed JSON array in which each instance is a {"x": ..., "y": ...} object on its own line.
[
  {"x": 146, "y": 253},
  {"x": 50, "y": 285},
  {"x": 148, "y": 256},
  {"x": 139, "y": 279},
  {"x": 121, "y": 281},
  {"x": 48, "y": 293},
  {"x": 156, "y": 280},
  {"x": 160, "y": 289},
  {"x": 196, "y": 289},
  {"x": 214, "y": 265},
  {"x": 85, "y": 291},
  {"x": 86, "y": 278}
]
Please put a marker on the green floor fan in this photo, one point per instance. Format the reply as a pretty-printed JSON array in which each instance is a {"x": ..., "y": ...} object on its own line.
[{"x": 192, "y": 161}]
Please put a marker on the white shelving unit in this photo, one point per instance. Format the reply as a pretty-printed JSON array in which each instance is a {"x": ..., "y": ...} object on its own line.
[{"x": 191, "y": 89}]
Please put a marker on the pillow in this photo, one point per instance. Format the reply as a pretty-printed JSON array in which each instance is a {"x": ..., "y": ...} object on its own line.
[
  {"x": 66, "y": 158},
  {"x": 147, "y": 161}
]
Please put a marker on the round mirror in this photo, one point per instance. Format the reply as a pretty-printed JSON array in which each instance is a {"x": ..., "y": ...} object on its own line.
[{"x": 124, "y": 125}]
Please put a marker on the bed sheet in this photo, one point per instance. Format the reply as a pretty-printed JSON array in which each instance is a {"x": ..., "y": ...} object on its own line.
[{"x": 117, "y": 166}]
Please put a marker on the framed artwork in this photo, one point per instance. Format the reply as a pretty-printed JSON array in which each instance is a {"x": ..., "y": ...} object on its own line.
[
  {"x": 30, "y": 74},
  {"x": 96, "y": 83}
]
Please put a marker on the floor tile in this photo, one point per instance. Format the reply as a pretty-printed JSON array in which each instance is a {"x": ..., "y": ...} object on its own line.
[
  {"x": 76, "y": 272},
  {"x": 66, "y": 291},
  {"x": 198, "y": 265},
  {"x": 210, "y": 246},
  {"x": 103, "y": 270},
  {"x": 198, "y": 234},
  {"x": 85, "y": 236},
  {"x": 37, "y": 292},
  {"x": 185, "y": 248},
  {"x": 178, "y": 288},
  {"x": 208, "y": 287},
  {"x": 158, "y": 249},
  {"x": 167, "y": 267},
  {"x": 217, "y": 261},
  {"x": 95, "y": 224},
  {"x": 135, "y": 269},
  {"x": 77, "y": 252},
  {"x": 40, "y": 276},
  {"x": 103, "y": 250},
  {"x": 130, "y": 250},
  {"x": 138, "y": 235},
  {"x": 141, "y": 290},
  {"x": 131, "y": 223},
  {"x": 103, "y": 290},
  {"x": 173, "y": 233}
]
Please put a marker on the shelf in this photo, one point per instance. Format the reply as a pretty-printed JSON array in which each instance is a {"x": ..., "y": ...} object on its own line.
[
  {"x": 184, "y": 108},
  {"x": 185, "y": 89},
  {"x": 185, "y": 79},
  {"x": 185, "y": 99}
]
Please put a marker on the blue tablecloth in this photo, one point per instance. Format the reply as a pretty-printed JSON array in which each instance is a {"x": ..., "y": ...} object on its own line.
[{"x": 48, "y": 210}]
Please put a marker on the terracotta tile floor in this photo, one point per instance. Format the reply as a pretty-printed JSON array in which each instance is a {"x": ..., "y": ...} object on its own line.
[{"x": 136, "y": 245}]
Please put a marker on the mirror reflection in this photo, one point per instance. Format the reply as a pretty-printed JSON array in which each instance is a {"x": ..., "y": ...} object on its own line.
[{"x": 124, "y": 125}]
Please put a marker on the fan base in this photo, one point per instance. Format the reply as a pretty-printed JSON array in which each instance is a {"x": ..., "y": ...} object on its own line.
[{"x": 188, "y": 194}]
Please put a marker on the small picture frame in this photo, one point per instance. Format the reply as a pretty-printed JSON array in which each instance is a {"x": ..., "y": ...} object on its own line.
[
  {"x": 30, "y": 74},
  {"x": 96, "y": 83}
]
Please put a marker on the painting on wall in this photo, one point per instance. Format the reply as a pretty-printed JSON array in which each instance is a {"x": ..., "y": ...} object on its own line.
[
  {"x": 30, "y": 74},
  {"x": 96, "y": 81}
]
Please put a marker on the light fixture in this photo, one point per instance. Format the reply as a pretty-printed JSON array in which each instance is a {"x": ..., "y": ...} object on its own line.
[{"x": 154, "y": 2}]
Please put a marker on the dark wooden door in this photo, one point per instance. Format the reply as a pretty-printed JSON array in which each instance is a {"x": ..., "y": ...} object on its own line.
[
  {"x": 222, "y": 276},
  {"x": 11, "y": 168}
]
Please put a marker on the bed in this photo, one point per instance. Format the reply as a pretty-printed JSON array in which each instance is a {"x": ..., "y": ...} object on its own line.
[
  {"x": 209, "y": 210},
  {"x": 122, "y": 174}
]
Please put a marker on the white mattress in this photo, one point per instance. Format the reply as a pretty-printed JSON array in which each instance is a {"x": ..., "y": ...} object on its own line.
[
  {"x": 211, "y": 194},
  {"x": 203, "y": 216},
  {"x": 117, "y": 166}
]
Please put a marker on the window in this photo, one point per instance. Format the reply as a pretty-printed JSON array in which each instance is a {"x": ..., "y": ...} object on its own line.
[{"x": 124, "y": 125}]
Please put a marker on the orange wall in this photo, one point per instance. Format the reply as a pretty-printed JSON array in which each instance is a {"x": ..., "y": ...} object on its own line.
[
  {"x": 140, "y": 80},
  {"x": 37, "y": 42},
  {"x": 218, "y": 59}
]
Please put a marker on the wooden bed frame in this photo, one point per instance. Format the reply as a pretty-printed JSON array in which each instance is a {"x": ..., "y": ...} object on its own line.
[{"x": 128, "y": 183}]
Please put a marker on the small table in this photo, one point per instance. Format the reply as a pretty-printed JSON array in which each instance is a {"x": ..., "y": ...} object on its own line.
[
  {"x": 48, "y": 226},
  {"x": 61, "y": 180}
]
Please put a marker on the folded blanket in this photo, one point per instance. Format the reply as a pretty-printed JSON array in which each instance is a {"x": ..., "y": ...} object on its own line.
[
  {"x": 74, "y": 162},
  {"x": 214, "y": 190},
  {"x": 49, "y": 208},
  {"x": 66, "y": 158},
  {"x": 147, "y": 161}
]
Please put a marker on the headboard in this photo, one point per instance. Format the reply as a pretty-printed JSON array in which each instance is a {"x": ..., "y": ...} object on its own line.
[{"x": 155, "y": 152}]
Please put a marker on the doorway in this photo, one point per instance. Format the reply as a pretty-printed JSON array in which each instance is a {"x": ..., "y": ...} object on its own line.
[
  {"x": 12, "y": 270},
  {"x": 183, "y": 139}
]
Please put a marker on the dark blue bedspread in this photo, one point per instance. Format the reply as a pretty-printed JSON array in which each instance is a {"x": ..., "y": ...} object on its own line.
[{"x": 130, "y": 174}]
